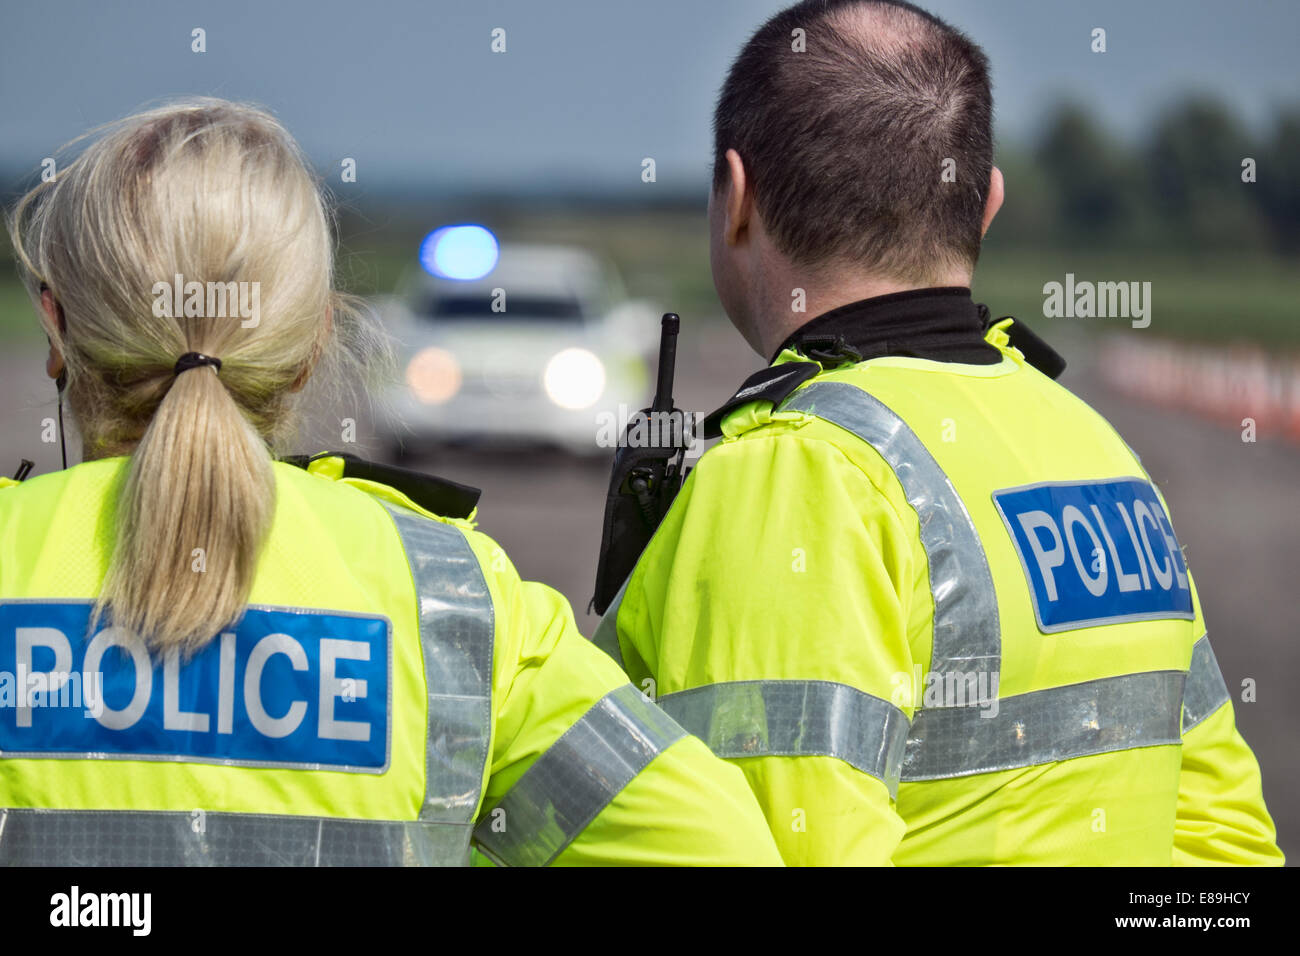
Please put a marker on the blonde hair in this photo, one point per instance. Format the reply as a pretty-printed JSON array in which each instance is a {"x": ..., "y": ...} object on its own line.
[{"x": 214, "y": 192}]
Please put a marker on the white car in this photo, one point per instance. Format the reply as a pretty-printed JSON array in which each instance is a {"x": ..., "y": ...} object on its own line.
[{"x": 543, "y": 348}]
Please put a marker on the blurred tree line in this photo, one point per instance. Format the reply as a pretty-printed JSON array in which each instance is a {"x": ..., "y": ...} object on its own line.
[{"x": 1179, "y": 187}]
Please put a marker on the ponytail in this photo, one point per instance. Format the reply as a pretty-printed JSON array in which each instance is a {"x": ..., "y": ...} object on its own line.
[{"x": 192, "y": 515}]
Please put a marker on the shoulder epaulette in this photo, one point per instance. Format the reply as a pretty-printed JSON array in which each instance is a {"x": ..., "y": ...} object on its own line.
[
  {"x": 439, "y": 495},
  {"x": 1036, "y": 351},
  {"x": 773, "y": 384}
]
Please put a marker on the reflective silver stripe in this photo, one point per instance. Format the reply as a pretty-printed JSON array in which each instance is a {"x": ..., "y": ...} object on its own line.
[
  {"x": 575, "y": 779},
  {"x": 967, "y": 636},
  {"x": 1206, "y": 691},
  {"x": 795, "y": 718},
  {"x": 1077, "y": 720},
  {"x": 155, "y": 838},
  {"x": 606, "y": 635},
  {"x": 457, "y": 634}
]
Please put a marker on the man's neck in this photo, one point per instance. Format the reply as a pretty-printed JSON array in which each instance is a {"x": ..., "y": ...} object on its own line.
[{"x": 780, "y": 314}]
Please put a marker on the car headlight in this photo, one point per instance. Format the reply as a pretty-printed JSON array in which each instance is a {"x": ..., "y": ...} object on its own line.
[
  {"x": 434, "y": 375},
  {"x": 574, "y": 379}
]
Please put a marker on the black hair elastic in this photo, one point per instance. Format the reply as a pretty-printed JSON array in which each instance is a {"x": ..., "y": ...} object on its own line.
[{"x": 194, "y": 360}]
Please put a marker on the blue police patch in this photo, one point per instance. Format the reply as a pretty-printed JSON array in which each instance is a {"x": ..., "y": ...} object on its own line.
[
  {"x": 1096, "y": 552},
  {"x": 287, "y": 687}
]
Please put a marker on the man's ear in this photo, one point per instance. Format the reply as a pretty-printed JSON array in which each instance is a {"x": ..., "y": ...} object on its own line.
[
  {"x": 997, "y": 192},
  {"x": 737, "y": 200}
]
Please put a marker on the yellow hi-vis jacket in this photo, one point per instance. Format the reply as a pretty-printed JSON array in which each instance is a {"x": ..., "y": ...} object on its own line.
[
  {"x": 938, "y": 615},
  {"x": 392, "y": 693}
]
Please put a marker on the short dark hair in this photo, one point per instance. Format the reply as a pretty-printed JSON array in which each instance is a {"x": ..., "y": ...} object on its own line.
[{"x": 844, "y": 144}]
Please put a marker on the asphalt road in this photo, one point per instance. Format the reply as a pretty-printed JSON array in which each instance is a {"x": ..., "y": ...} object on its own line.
[{"x": 1232, "y": 503}]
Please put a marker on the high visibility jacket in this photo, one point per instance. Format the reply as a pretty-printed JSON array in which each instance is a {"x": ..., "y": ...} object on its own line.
[
  {"x": 392, "y": 692},
  {"x": 938, "y": 615}
]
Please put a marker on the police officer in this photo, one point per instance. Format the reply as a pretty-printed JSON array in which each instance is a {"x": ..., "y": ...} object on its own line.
[
  {"x": 217, "y": 658},
  {"x": 926, "y": 598}
]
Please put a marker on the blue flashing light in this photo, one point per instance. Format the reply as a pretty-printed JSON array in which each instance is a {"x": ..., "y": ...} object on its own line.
[{"x": 459, "y": 252}]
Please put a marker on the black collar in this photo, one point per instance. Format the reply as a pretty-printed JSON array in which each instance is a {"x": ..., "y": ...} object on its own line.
[{"x": 942, "y": 324}]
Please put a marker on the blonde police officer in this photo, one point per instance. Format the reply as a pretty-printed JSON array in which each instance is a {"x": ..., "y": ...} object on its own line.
[
  {"x": 926, "y": 598},
  {"x": 217, "y": 658}
]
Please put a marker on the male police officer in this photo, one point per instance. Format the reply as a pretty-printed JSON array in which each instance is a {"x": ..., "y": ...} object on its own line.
[{"x": 926, "y": 598}]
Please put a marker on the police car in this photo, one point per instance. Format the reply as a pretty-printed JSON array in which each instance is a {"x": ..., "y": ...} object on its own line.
[{"x": 503, "y": 343}]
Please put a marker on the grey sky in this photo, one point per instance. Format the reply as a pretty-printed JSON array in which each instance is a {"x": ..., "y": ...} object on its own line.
[{"x": 586, "y": 89}]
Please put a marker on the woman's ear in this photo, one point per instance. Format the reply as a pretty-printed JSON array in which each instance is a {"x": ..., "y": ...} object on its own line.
[
  {"x": 55, "y": 325},
  {"x": 326, "y": 331}
]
